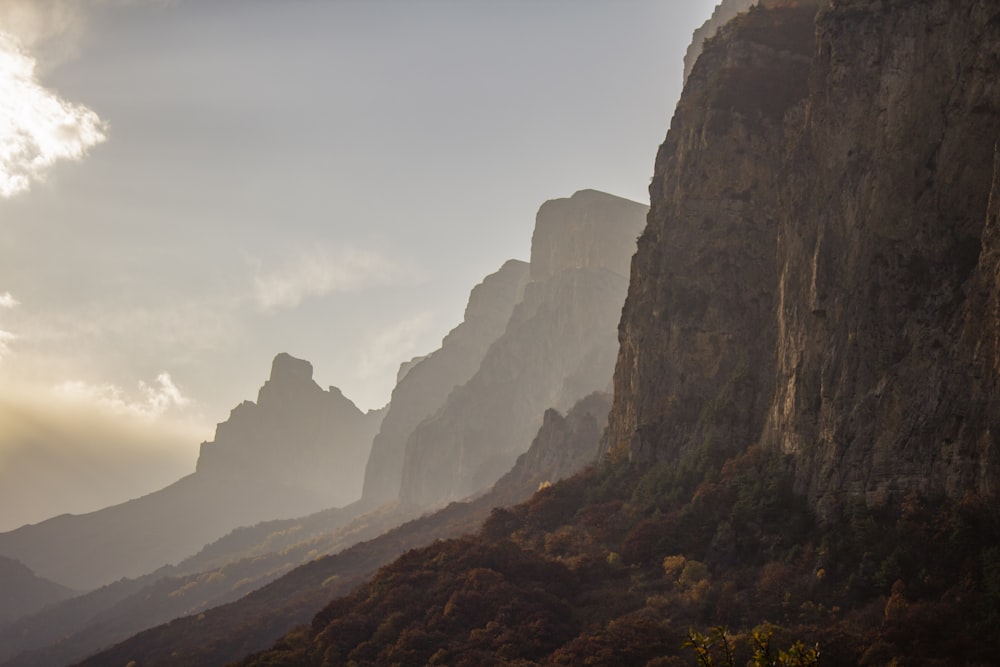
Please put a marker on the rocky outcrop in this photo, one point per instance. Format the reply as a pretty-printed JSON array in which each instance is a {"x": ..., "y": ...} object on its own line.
[
  {"x": 820, "y": 272},
  {"x": 424, "y": 384},
  {"x": 724, "y": 12},
  {"x": 296, "y": 435},
  {"x": 297, "y": 450},
  {"x": 564, "y": 446},
  {"x": 558, "y": 346}
]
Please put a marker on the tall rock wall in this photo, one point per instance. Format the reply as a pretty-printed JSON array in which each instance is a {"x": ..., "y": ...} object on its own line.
[
  {"x": 558, "y": 346},
  {"x": 696, "y": 364},
  {"x": 423, "y": 388},
  {"x": 886, "y": 357},
  {"x": 821, "y": 271}
]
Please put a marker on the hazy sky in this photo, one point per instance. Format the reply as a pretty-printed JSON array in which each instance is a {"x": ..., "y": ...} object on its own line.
[{"x": 189, "y": 187}]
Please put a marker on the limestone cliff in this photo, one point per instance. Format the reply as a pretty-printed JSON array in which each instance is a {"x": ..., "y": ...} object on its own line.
[
  {"x": 696, "y": 364},
  {"x": 887, "y": 375},
  {"x": 297, "y": 450},
  {"x": 558, "y": 346},
  {"x": 820, "y": 271},
  {"x": 424, "y": 386}
]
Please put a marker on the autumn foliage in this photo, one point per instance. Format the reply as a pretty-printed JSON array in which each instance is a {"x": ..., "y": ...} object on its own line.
[{"x": 629, "y": 566}]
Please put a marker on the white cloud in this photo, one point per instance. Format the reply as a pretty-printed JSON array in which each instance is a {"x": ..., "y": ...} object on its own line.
[
  {"x": 8, "y": 301},
  {"x": 37, "y": 127},
  {"x": 5, "y": 338},
  {"x": 153, "y": 400},
  {"x": 317, "y": 273},
  {"x": 390, "y": 347}
]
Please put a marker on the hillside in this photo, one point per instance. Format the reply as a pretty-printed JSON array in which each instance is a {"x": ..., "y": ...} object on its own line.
[
  {"x": 225, "y": 633},
  {"x": 799, "y": 463},
  {"x": 23, "y": 592}
]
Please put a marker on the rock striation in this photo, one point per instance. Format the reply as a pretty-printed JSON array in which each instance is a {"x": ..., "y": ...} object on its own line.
[
  {"x": 820, "y": 272},
  {"x": 425, "y": 383},
  {"x": 558, "y": 346},
  {"x": 297, "y": 450}
]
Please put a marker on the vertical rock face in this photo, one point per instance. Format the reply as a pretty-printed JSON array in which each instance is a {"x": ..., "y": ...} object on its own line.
[
  {"x": 558, "y": 346},
  {"x": 821, "y": 271},
  {"x": 887, "y": 342},
  {"x": 697, "y": 334},
  {"x": 424, "y": 387}
]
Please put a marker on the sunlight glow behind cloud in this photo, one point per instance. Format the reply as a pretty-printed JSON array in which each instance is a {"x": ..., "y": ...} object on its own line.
[
  {"x": 317, "y": 273},
  {"x": 37, "y": 127},
  {"x": 155, "y": 399}
]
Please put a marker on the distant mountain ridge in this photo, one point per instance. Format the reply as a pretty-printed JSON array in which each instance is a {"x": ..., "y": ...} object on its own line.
[
  {"x": 558, "y": 346},
  {"x": 23, "y": 592},
  {"x": 297, "y": 450}
]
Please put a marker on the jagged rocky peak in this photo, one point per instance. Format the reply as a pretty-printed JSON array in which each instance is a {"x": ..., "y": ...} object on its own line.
[{"x": 585, "y": 231}]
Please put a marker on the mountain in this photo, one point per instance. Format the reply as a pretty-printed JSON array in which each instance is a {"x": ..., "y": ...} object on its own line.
[
  {"x": 23, "y": 592},
  {"x": 425, "y": 383},
  {"x": 558, "y": 346},
  {"x": 298, "y": 449},
  {"x": 834, "y": 299},
  {"x": 800, "y": 461},
  {"x": 216, "y": 636}
]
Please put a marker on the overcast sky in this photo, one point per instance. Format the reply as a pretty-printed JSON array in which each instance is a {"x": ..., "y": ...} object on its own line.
[{"x": 188, "y": 188}]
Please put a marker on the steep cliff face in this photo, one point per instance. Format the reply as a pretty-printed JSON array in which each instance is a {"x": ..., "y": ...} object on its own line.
[
  {"x": 299, "y": 449},
  {"x": 424, "y": 386},
  {"x": 820, "y": 271},
  {"x": 886, "y": 351},
  {"x": 697, "y": 334},
  {"x": 558, "y": 346}
]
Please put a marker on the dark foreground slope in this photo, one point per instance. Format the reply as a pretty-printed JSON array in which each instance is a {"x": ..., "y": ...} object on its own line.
[
  {"x": 819, "y": 263},
  {"x": 214, "y": 636}
]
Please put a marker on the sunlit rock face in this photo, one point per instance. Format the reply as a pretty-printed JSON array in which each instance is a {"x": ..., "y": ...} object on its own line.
[
  {"x": 424, "y": 386},
  {"x": 820, "y": 271},
  {"x": 558, "y": 346},
  {"x": 297, "y": 450}
]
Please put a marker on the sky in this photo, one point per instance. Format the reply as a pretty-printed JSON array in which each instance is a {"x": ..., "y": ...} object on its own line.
[{"x": 189, "y": 187}]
